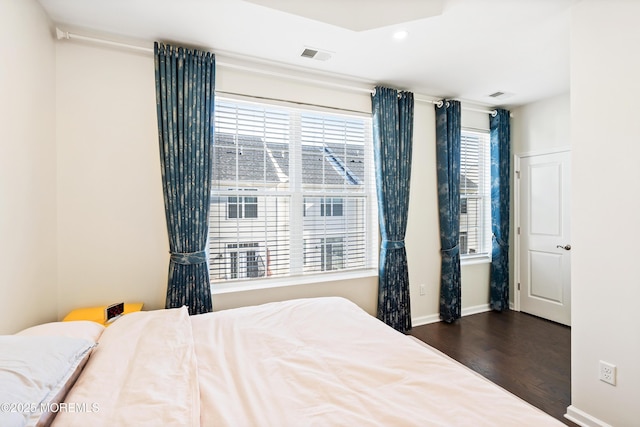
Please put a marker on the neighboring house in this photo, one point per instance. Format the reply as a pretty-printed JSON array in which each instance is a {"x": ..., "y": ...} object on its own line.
[
  {"x": 251, "y": 208},
  {"x": 469, "y": 216}
]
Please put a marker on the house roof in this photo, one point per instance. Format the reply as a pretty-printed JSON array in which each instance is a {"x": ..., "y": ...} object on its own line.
[
  {"x": 332, "y": 164},
  {"x": 467, "y": 184},
  {"x": 329, "y": 164},
  {"x": 252, "y": 160}
]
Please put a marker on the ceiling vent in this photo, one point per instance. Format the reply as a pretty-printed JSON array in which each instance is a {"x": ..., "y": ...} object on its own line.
[
  {"x": 309, "y": 53},
  {"x": 500, "y": 95},
  {"x": 318, "y": 55}
]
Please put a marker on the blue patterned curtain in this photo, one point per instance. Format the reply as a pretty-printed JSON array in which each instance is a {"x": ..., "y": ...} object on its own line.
[
  {"x": 500, "y": 161},
  {"x": 392, "y": 140},
  {"x": 448, "y": 131},
  {"x": 185, "y": 86}
]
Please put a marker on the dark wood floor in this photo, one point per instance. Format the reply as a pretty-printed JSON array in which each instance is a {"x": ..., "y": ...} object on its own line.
[{"x": 529, "y": 356}]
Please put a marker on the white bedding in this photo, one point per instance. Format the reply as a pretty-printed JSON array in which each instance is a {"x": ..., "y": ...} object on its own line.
[
  {"x": 309, "y": 362},
  {"x": 142, "y": 373},
  {"x": 325, "y": 362}
]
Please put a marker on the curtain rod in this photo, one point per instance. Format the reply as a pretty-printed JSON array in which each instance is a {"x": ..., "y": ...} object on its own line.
[{"x": 69, "y": 36}]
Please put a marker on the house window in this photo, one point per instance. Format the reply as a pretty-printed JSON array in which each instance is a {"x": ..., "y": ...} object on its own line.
[
  {"x": 464, "y": 245},
  {"x": 332, "y": 252},
  {"x": 323, "y": 206},
  {"x": 331, "y": 207},
  {"x": 245, "y": 260},
  {"x": 242, "y": 207},
  {"x": 312, "y": 204},
  {"x": 325, "y": 254},
  {"x": 475, "y": 197}
]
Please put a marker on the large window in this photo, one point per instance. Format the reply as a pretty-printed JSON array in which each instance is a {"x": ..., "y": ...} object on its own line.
[
  {"x": 475, "y": 196},
  {"x": 293, "y": 192}
]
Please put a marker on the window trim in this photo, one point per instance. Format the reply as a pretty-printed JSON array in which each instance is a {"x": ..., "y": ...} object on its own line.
[
  {"x": 473, "y": 259},
  {"x": 241, "y": 285}
]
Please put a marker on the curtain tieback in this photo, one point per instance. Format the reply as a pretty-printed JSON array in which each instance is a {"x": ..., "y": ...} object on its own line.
[
  {"x": 189, "y": 258},
  {"x": 392, "y": 244},
  {"x": 451, "y": 251}
]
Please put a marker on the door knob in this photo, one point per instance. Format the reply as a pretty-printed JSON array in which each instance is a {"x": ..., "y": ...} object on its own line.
[{"x": 565, "y": 247}]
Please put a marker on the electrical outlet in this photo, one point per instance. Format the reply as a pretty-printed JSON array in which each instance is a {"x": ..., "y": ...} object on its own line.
[
  {"x": 422, "y": 290},
  {"x": 607, "y": 373}
]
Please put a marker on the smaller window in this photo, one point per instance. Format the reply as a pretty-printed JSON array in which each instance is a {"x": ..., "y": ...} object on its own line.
[
  {"x": 232, "y": 207},
  {"x": 464, "y": 242},
  {"x": 332, "y": 254},
  {"x": 245, "y": 260},
  {"x": 475, "y": 196},
  {"x": 242, "y": 207},
  {"x": 337, "y": 207},
  {"x": 331, "y": 207},
  {"x": 250, "y": 207}
]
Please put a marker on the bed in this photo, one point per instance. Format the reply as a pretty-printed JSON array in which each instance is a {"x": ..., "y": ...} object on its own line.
[{"x": 306, "y": 362}]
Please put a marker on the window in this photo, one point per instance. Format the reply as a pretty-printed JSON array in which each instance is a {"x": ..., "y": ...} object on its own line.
[
  {"x": 312, "y": 207},
  {"x": 331, "y": 207},
  {"x": 464, "y": 245},
  {"x": 323, "y": 206},
  {"x": 475, "y": 197},
  {"x": 324, "y": 254},
  {"x": 332, "y": 253},
  {"x": 245, "y": 261},
  {"x": 242, "y": 207}
]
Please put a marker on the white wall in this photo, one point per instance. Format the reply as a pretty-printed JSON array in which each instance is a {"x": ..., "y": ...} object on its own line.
[
  {"x": 605, "y": 66},
  {"x": 422, "y": 237},
  {"x": 112, "y": 239},
  {"x": 27, "y": 167},
  {"x": 542, "y": 126}
]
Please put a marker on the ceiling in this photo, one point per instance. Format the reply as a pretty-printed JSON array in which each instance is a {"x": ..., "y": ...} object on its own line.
[{"x": 463, "y": 49}]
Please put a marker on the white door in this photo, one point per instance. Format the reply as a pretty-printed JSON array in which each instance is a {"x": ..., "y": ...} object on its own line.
[{"x": 545, "y": 240}]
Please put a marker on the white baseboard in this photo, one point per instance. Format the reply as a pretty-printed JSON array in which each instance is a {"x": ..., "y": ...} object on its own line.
[
  {"x": 434, "y": 318},
  {"x": 475, "y": 309},
  {"x": 425, "y": 320},
  {"x": 583, "y": 419}
]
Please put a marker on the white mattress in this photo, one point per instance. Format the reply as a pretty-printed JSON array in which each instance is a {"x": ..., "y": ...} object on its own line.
[{"x": 308, "y": 362}]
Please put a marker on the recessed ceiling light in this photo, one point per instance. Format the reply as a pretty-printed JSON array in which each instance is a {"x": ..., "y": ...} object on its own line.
[{"x": 400, "y": 35}]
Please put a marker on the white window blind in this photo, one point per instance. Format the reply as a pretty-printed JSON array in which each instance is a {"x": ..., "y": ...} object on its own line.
[
  {"x": 475, "y": 194},
  {"x": 293, "y": 192}
]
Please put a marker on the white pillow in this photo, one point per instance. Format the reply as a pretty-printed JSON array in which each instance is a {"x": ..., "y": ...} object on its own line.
[
  {"x": 35, "y": 372},
  {"x": 77, "y": 329}
]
